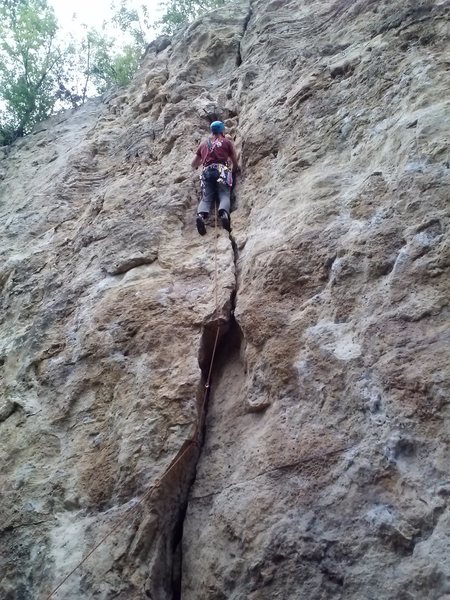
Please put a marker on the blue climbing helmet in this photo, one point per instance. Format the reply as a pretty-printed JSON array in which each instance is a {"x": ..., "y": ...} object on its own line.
[{"x": 217, "y": 127}]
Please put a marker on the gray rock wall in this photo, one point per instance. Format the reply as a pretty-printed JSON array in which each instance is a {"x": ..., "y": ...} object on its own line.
[{"x": 324, "y": 472}]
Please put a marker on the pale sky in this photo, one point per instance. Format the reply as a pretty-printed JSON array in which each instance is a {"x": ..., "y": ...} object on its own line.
[{"x": 93, "y": 12}]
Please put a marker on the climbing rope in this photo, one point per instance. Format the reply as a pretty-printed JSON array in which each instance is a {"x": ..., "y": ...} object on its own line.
[
  {"x": 216, "y": 307},
  {"x": 196, "y": 441}
]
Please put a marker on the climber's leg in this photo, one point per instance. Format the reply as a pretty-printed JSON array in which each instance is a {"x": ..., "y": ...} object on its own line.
[
  {"x": 209, "y": 193},
  {"x": 224, "y": 192},
  {"x": 200, "y": 223},
  {"x": 205, "y": 205}
]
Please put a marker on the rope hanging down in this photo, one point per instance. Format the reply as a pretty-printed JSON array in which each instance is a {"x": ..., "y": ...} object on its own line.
[{"x": 196, "y": 441}]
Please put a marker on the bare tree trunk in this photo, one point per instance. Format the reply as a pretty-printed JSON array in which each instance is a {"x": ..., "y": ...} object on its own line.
[{"x": 88, "y": 70}]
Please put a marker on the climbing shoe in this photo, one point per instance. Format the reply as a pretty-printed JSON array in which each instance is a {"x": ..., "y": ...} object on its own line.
[
  {"x": 201, "y": 227},
  {"x": 225, "y": 219}
]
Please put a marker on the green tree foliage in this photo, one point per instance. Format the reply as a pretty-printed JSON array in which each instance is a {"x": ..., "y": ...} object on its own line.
[
  {"x": 108, "y": 67},
  {"x": 95, "y": 64},
  {"x": 178, "y": 12},
  {"x": 133, "y": 21},
  {"x": 38, "y": 72},
  {"x": 30, "y": 64}
]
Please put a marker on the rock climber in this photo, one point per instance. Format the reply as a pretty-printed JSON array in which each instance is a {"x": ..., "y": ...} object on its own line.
[{"x": 215, "y": 154}]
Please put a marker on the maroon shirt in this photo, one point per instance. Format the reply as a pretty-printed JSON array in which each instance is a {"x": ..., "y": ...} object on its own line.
[{"x": 218, "y": 151}]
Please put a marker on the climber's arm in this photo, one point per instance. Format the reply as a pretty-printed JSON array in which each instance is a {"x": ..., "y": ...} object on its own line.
[{"x": 196, "y": 162}]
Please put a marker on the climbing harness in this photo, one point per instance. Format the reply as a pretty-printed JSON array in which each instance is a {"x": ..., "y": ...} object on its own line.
[
  {"x": 190, "y": 444},
  {"x": 225, "y": 176},
  {"x": 217, "y": 172}
]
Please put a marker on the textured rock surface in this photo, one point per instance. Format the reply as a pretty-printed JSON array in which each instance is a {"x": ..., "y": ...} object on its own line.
[{"x": 325, "y": 469}]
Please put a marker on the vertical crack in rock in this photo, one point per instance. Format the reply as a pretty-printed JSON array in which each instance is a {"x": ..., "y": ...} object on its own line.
[
  {"x": 244, "y": 30},
  {"x": 230, "y": 337},
  {"x": 343, "y": 293},
  {"x": 178, "y": 537}
]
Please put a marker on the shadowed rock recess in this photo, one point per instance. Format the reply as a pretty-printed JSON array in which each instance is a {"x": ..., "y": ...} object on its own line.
[{"x": 325, "y": 466}]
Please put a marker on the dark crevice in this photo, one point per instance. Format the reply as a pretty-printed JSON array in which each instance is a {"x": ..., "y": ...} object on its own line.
[
  {"x": 9, "y": 409},
  {"x": 208, "y": 339},
  {"x": 229, "y": 342},
  {"x": 177, "y": 549},
  {"x": 244, "y": 30},
  {"x": 236, "y": 259},
  {"x": 229, "y": 338}
]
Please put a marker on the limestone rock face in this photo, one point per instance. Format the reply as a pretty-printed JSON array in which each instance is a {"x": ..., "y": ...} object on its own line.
[{"x": 321, "y": 470}]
